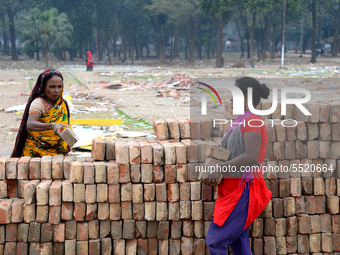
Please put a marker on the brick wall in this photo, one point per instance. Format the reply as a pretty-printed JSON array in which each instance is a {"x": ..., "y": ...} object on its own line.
[{"x": 142, "y": 196}]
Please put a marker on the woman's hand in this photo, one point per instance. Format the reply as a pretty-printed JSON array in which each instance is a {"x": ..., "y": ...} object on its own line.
[{"x": 57, "y": 127}]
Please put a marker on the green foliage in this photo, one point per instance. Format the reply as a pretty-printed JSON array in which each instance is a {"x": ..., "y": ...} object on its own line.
[{"x": 29, "y": 49}]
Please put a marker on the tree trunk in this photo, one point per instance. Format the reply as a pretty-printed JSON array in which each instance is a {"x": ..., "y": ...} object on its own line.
[
  {"x": 131, "y": 46},
  {"x": 37, "y": 50},
  {"x": 248, "y": 44},
  {"x": 220, "y": 26},
  {"x": 141, "y": 51},
  {"x": 241, "y": 39},
  {"x": 336, "y": 33},
  {"x": 46, "y": 54},
  {"x": 313, "y": 10},
  {"x": 265, "y": 37},
  {"x": 190, "y": 31},
  {"x": 147, "y": 50},
  {"x": 5, "y": 31},
  {"x": 273, "y": 43},
  {"x": 99, "y": 46},
  {"x": 12, "y": 32},
  {"x": 176, "y": 52},
  {"x": 162, "y": 54},
  {"x": 186, "y": 49}
]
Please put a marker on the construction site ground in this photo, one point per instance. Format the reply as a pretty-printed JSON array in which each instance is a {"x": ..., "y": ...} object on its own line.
[{"x": 139, "y": 96}]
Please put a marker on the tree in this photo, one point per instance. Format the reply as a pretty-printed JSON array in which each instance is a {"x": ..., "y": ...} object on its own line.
[
  {"x": 312, "y": 9},
  {"x": 157, "y": 11},
  {"x": 54, "y": 28},
  {"x": 219, "y": 12},
  {"x": 31, "y": 29}
]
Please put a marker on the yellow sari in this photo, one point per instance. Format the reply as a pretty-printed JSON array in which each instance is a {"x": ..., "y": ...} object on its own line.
[{"x": 41, "y": 143}]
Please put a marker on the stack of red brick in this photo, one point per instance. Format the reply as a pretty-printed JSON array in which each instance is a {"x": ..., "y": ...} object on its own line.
[{"x": 142, "y": 196}]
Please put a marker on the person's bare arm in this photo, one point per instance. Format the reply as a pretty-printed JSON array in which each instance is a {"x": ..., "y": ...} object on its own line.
[
  {"x": 252, "y": 145},
  {"x": 34, "y": 125}
]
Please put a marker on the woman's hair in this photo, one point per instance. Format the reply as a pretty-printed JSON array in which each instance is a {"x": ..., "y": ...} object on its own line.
[
  {"x": 45, "y": 80},
  {"x": 259, "y": 90}
]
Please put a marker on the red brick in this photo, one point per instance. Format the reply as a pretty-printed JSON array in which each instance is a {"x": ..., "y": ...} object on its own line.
[
  {"x": 126, "y": 210},
  {"x": 54, "y": 214},
  {"x": 30, "y": 191},
  {"x": 67, "y": 211},
  {"x": 112, "y": 173},
  {"x": 59, "y": 233},
  {"x": 82, "y": 231},
  {"x": 11, "y": 168},
  {"x": 187, "y": 245},
  {"x": 332, "y": 205},
  {"x": 158, "y": 174},
  {"x": 184, "y": 189},
  {"x": 192, "y": 150},
  {"x": 67, "y": 193},
  {"x": 303, "y": 244},
  {"x": 103, "y": 211},
  {"x": 3, "y": 189},
  {"x": 135, "y": 153},
  {"x": 55, "y": 193},
  {"x": 292, "y": 244},
  {"x": 98, "y": 149},
  {"x": 324, "y": 149},
  {"x": 29, "y": 213},
  {"x": 185, "y": 212},
  {"x": 161, "y": 129},
  {"x": 315, "y": 224},
  {"x": 11, "y": 232},
  {"x": 124, "y": 173},
  {"x": 324, "y": 112},
  {"x": 158, "y": 154},
  {"x": 122, "y": 153},
  {"x": 57, "y": 167},
  {"x": 115, "y": 211},
  {"x": 152, "y": 246},
  {"x": 135, "y": 173},
  {"x": 142, "y": 246},
  {"x": 326, "y": 133},
  {"x": 138, "y": 211},
  {"x": 77, "y": 172},
  {"x": 170, "y": 173},
  {"x": 327, "y": 242},
  {"x": 310, "y": 204},
  {"x": 79, "y": 211},
  {"x": 184, "y": 127},
  {"x": 161, "y": 211},
  {"x": 17, "y": 211},
  {"x": 94, "y": 247},
  {"x": 278, "y": 151},
  {"x": 320, "y": 204},
  {"x": 91, "y": 193},
  {"x": 110, "y": 149},
  {"x": 3, "y": 168},
  {"x": 23, "y": 164},
  {"x": 301, "y": 131},
  {"x": 277, "y": 207},
  {"x": 173, "y": 192},
  {"x": 88, "y": 172},
  {"x": 146, "y": 152}
]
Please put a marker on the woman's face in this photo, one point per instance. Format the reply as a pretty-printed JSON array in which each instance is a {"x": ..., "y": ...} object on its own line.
[{"x": 54, "y": 87}]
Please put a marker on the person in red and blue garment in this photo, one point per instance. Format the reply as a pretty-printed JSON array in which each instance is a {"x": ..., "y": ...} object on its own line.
[{"x": 242, "y": 199}]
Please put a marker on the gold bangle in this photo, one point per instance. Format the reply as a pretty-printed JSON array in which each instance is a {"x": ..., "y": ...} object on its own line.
[{"x": 53, "y": 125}]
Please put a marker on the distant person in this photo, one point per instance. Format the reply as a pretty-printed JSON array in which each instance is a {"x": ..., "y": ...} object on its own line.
[
  {"x": 89, "y": 61},
  {"x": 296, "y": 50},
  {"x": 322, "y": 51},
  {"x": 46, "y": 113}
]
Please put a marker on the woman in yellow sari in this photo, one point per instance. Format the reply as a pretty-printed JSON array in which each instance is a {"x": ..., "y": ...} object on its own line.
[{"x": 46, "y": 114}]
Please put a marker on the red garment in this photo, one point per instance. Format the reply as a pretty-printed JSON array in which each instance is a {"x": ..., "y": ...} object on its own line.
[
  {"x": 229, "y": 190},
  {"x": 89, "y": 60}
]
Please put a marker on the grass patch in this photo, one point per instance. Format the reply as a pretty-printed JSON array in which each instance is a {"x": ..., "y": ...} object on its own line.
[
  {"x": 78, "y": 81},
  {"x": 132, "y": 124},
  {"x": 30, "y": 84}
]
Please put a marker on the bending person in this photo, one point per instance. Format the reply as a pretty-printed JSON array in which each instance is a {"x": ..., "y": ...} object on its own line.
[
  {"x": 45, "y": 115},
  {"x": 241, "y": 196}
]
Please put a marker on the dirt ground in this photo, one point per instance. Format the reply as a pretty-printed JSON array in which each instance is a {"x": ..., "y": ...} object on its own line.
[{"x": 140, "y": 103}]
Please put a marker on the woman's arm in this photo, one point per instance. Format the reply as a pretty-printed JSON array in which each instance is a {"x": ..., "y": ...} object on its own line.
[
  {"x": 252, "y": 146},
  {"x": 34, "y": 125}
]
